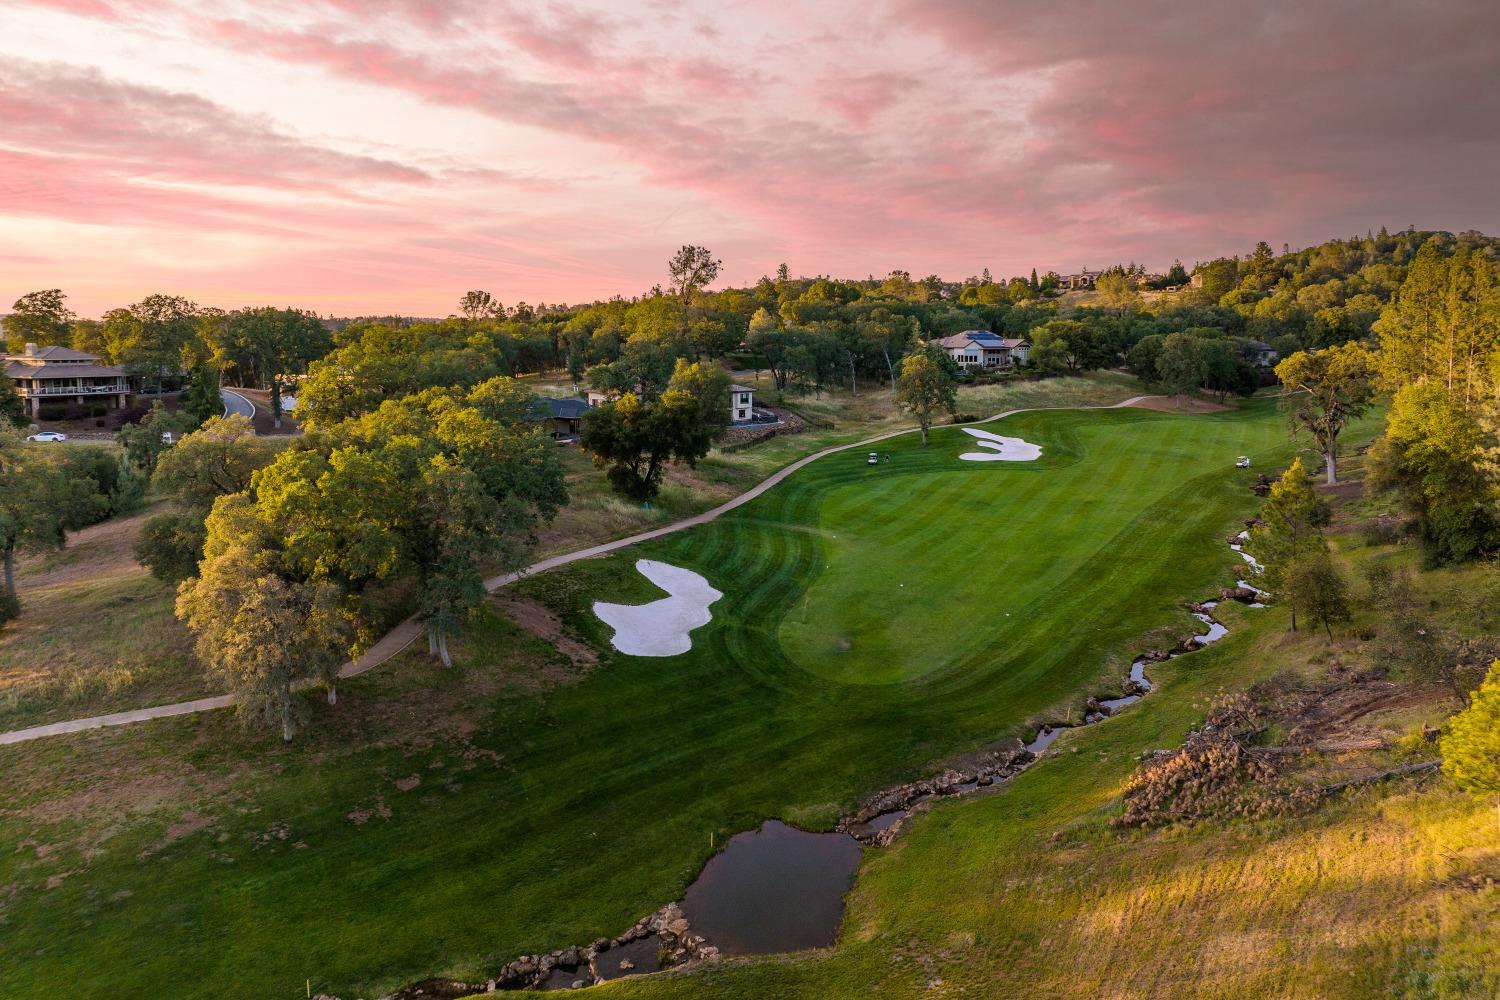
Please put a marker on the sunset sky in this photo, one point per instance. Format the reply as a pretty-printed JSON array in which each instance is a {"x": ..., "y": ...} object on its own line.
[{"x": 361, "y": 157}]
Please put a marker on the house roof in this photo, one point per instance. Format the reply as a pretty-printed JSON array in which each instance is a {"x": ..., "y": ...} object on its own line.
[
  {"x": 1011, "y": 343},
  {"x": 983, "y": 338},
  {"x": 736, "y": 387},
  {"x": 553, "y": 408},
  {"x": 23, "y": 369},
  {"x": 53, "y": 353},
  {"x": 1260, "y": 345}
]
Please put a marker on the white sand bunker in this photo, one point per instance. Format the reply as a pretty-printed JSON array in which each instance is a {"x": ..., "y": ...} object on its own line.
[
  {"x": 1001, "y": 449},
  {"x": 662, "y": 627}
]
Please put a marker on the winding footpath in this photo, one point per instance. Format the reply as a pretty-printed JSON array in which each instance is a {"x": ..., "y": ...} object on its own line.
[{"x": 406, "y": 633}]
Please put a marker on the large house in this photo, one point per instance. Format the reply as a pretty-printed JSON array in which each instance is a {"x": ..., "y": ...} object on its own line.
[
  {"x": 63, "y": 375},
  {"x": 983, "y": 349},
  {"x": 1082, "y": 280}
]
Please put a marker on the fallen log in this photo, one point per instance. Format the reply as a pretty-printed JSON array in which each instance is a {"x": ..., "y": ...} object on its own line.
[{"x": 1370, "y": 779}]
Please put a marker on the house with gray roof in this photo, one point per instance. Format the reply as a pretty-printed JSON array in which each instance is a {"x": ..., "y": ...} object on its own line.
[
  {"x": 562, "y": 418},
  {"x": 63, "y": 375},
  {"x": 983, "y": 349}
]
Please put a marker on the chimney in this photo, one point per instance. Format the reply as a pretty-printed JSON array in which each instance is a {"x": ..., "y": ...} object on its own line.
[{"x": 31, "y": 350}]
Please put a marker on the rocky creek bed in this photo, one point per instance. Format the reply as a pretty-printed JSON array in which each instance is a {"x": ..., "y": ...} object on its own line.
[{"x": 778, "y": 888}]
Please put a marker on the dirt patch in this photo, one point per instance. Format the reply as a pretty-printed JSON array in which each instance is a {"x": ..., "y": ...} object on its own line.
[
  {"x": 1187, "y": 404},
  {"x": 1345, "y": 490},
  {"x": 138, "y": 788},
  {"x": 361, "y": 815},
  {"x": 538, "y": 619},
  {"x": 189, "y": 825},
  {"x": 53, "y": 881},
  {"x": 93, "y": 553},
  {"x": 1327, "y": 716}
]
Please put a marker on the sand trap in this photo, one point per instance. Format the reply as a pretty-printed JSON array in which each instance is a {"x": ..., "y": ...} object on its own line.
[
  {"x": 1001, "y": 449},
  {"x": 662, "y": 627}
]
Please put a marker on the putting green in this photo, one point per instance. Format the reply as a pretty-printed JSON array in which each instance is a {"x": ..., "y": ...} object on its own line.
[{"x": 934, "y": 564}]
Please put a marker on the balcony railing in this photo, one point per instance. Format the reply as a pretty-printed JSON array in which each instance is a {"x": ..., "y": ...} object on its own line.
[{"x": 112, "y": 389}]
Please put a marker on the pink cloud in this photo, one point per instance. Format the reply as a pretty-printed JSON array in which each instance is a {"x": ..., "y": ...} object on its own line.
[
  {"x": 937, "y": 136},
  {"x": 860, "y": 98},
  {"x": 148, "y": 132}
]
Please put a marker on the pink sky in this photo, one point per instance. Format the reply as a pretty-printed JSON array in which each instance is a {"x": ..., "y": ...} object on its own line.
[{"x": 387, "y": 156}]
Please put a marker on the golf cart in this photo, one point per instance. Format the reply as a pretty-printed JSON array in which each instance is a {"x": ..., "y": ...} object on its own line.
[
  {"x": 874, "y": 458},
  {"x": 1243, "y": 462}
]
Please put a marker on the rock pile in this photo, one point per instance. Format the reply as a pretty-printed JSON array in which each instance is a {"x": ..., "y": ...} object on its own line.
[
  {"x": 995, "y": 766},
  {"x": 678, "y": 945}
]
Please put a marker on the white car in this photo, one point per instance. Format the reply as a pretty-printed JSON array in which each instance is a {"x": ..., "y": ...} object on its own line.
[{"x": 47, "y": 436}]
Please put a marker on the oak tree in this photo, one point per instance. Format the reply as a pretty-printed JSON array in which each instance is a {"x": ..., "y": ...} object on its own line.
[
  {"x": 1324, "y": 393},
  {"x": 924, "y": 390}
]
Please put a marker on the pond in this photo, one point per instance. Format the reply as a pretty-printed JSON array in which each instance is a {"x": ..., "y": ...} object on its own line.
[{"x": 774, "y": 889}]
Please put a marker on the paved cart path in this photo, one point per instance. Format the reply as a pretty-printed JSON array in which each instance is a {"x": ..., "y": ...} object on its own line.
[
  {"x": 234, "y": 403},
  {"x": 406, "y": 633}
]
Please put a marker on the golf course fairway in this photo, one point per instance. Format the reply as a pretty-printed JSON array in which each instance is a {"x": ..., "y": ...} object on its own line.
[{"x": 875, "y": 621}]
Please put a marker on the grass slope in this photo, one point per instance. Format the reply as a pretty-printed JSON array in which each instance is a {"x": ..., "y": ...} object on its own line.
[
  {"x": 599, "y": 802},
  {"x": 96, "y": 633},
  {"x": 1389, "y": 891}
]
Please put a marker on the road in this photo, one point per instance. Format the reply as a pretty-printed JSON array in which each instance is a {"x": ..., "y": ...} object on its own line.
[
  {"x": 235, "y": 403},
  {"x": 406, "y": 633}
]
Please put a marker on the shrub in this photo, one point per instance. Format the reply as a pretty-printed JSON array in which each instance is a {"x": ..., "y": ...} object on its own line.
[
  {"x": 170, "y": 546},
  {"x": 1471, "y": 747},
  {"x": 1382, "y": 532}
]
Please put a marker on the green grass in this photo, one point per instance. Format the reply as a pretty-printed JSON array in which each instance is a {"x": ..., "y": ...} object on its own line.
[
  {"x": 1389, "y": 891},
  {"x": 594, "y": 804},
  {"x": 1012, "y": 551}
]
